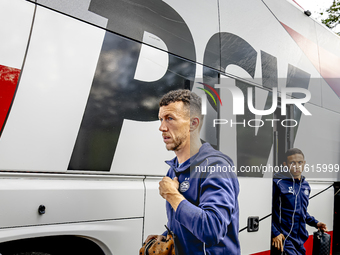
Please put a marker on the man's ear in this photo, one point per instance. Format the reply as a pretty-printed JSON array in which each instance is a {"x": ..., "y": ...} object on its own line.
[{"x": 194, "y": 123}]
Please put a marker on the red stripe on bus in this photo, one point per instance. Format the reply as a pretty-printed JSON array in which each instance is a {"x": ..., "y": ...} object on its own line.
[
  {"x": 327, "y": 64},
  {"x": 262, "y": 253},
  {"x": 8, "y": 83}
]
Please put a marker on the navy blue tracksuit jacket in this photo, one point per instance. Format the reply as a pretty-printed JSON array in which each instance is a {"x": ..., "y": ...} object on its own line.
[
  {"x": 207, "y": 222},
  {"x": 290, "y": 202}
]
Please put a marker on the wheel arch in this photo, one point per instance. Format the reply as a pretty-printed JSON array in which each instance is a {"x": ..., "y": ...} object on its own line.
[{"x": 53, "y": 245}]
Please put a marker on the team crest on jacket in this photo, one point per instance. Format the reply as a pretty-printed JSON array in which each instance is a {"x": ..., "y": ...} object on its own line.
[
  {"x": 306, "y": 192},
  {"x": 291, "y": 190},
  {"x": 184, "y": 186}
]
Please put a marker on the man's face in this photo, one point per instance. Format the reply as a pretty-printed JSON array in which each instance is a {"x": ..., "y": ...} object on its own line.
[
  {"x": 295, "y": 164},
  {"x": 175, "y": 126}
]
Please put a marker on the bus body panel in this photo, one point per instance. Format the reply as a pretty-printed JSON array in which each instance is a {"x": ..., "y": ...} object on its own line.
[
  {"x": 69, "y": 198},
  {"x": 81, "y": 130}
]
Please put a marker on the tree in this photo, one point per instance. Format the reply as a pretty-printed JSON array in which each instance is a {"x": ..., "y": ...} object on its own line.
[{"x": 333, "y": 12}]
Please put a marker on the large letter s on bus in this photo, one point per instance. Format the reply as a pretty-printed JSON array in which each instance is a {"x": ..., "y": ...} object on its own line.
[{"x": 115, "y": 95}]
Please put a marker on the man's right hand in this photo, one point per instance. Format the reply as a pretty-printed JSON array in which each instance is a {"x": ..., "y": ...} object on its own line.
[
  {"x": 278, "y": 242},
  {"x": 157, "y": 237}
]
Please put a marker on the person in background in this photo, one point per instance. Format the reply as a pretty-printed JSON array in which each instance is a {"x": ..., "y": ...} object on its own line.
[{"x": 290, "y": 201}]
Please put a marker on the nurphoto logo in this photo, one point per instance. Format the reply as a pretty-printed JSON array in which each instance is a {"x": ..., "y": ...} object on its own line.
[{"x": 239, "y": 104}]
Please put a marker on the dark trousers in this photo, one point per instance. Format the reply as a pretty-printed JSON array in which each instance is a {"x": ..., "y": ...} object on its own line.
[
  {"x": 275, "y": 251},
  {"x": 290, "y": 249}
]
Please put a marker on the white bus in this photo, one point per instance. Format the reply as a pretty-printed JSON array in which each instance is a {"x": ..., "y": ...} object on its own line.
[{"x": 80, "y": 81}]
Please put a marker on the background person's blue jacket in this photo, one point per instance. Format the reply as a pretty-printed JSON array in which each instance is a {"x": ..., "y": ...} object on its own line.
[
  {"x": 291, "y": 195},
  {"x": 207, "y": 222}
]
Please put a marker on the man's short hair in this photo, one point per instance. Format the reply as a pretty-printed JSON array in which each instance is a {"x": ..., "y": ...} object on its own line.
[
  {"x": 293, "y": 151},
  {"x": 190, "y": 99}
]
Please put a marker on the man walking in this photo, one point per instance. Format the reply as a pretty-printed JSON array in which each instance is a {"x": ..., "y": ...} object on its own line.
[
  {"x": 200, "y": 188},
  {"x": 290, "y": 201}
]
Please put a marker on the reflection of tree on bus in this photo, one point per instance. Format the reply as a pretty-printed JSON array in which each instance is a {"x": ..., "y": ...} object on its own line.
[{"x": 290, "y": 201}]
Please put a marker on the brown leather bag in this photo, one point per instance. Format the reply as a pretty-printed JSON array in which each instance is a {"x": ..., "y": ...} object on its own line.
[{"x": 166, "y": 247}]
